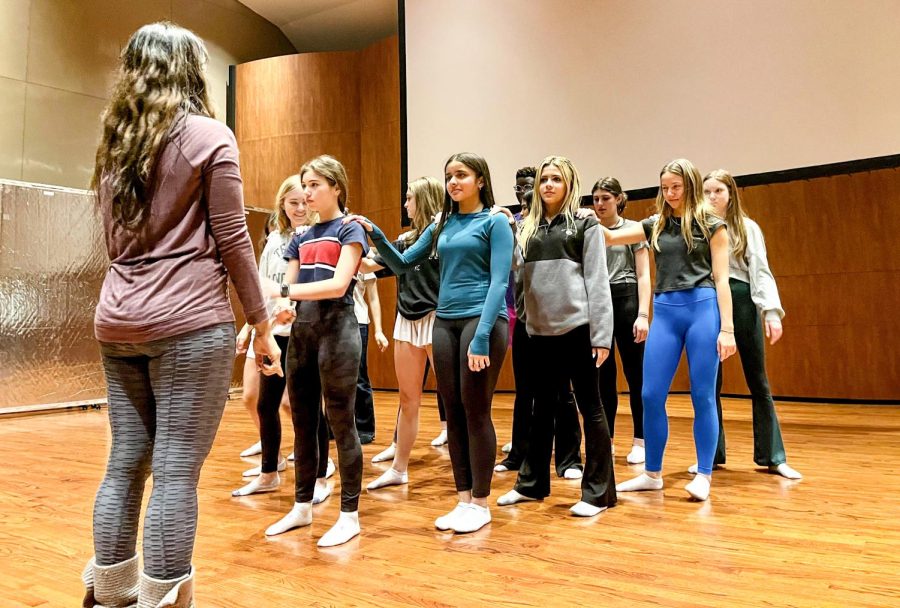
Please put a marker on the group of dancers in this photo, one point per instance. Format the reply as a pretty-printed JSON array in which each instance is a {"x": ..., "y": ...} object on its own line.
[{"x": 169, "y": 193}]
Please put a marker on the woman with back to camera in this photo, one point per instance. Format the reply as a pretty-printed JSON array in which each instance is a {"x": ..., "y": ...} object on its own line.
[
  {"x": 470, "y": 331},
  {"x": 754, "y": 296},
  {"x": 417, "y": 298},
  {"x": 324, "y": 349},
  {"x": 169, "y": 192},
  {"x": 569, "y": 314},
  {"x": 629, "y": 283},
  {"x": 691, "y": 312}
]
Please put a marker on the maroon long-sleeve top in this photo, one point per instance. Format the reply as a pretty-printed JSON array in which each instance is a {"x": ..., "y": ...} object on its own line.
[{"x": 171, "y": 277}]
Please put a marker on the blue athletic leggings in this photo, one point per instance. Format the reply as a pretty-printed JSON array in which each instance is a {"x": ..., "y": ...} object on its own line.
[{"x": 687, "y": 319}]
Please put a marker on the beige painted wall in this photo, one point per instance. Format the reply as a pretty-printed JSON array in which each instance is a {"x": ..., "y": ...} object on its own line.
[
  {"x": 623, "y": 86},
  {"x": 57, "y": 61}
]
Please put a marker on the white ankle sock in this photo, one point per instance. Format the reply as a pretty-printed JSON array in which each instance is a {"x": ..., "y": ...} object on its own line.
[
  {"x": 291, "y": 457},
  {"x": 585, "y": 509},
  {"x": 699, "y": 487},
  {"x": 507, "y": 448},
  {"x": 637, "y": 454},
  {"x": 640, "y": 483},
  {"x": 297, "y": 517},
  {"x": 346, "y": 527},
  {"x": 257, "y": 486},
  {"x": 329, "y": 469},
  {"x": 321, "y": 491},
  {"x": 500, "y": 468},
  {"x": 445, "y": 522},
  {"x": 693, "y": 470},
  {"x": 512, "y": 497},
  {"x": 253, "y": 450},
  {"x": 473, "y": 518},
  {"x": 390, "y": 477},
  {"x": 255, "y": 471},
  {"x": 785, "y": 470},
  {"x": 440, "y": 439},
  {"x": 385, "y": 454},
  {"x": 573, "y": 473}
]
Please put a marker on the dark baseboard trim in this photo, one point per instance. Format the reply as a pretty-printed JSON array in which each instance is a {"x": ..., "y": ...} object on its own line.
[
  {"x": 791, "y": 175},
  {"x": 826, "y": 400}
]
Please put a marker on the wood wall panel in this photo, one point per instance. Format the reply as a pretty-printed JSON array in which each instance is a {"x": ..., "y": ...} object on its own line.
[{"x": 832, "y": 250}]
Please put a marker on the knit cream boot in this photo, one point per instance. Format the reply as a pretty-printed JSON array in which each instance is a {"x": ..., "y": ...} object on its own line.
[
  {"x": 175, "y": 593},
  {"x": 113, "y": 586}
]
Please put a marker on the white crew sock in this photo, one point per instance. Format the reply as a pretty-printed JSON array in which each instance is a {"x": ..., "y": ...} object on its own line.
[
  {"x": 257, "y": 486},
  {"x": 391, "y": 477},
  {"x": 321, "y": 491},
  {"x": 346, "y": 527},
  {"x": 699, "y": 487},
  {"x": 585, "y": 509},
  {"x": 440, "y": 439},
  {"x": 573, "y": 473},
  {"x": 386, "y": 454},
  {"x": 501, "y": 468},
  {"x": 255, "y": 471},
  {"x": 253, "y": 450},
  {"x": 507, "y": 448},
  {"x": 785, "y": 470},
  {"x": 445, "y": 522},
  {"x": 473, "y": 518},
  {"x": 297, "y": 517},
  {"x": 637, "y": 455},
  {"x": 329, "y": 468},
  {"x": 512, "y": 497},
  {"x": 640, "y": 483}
]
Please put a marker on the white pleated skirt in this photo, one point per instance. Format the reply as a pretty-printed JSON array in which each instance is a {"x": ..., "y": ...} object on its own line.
[{"x": 417, "y": 333}]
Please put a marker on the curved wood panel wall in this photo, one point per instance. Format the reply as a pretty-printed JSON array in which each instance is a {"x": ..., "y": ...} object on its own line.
[{"x": 837, "y": 263}]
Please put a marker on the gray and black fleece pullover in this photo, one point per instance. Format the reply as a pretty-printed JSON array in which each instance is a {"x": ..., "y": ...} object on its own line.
[{"x": 566, "y": 282}]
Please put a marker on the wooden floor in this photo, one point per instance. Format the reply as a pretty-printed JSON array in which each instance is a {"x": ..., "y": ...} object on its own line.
[{"x": 832, "y": 539}]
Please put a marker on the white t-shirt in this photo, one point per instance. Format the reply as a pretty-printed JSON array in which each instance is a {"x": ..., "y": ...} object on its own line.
[{"x": 360, "y": 306}]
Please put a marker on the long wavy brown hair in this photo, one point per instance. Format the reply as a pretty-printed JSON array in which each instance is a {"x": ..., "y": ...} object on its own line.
[{"x": 162, "y": 74}]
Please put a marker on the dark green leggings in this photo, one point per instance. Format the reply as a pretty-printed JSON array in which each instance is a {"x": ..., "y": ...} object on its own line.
[{"x": 768, "y": 447}]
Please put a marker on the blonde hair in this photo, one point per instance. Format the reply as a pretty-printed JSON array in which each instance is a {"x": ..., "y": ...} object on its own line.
[
  {"x": 734, "y": 213},
  {"x": 429, "y": 194},
  {"x": 334, "y": 173},
  {"x": 162, "y": 72},
  {"x": 569, "y": 206},
  {"x": 695, "y": 207},
  {"x": 282, "y": 221}
]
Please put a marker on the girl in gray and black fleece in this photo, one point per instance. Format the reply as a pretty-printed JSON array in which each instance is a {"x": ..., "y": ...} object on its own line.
[{"x": 569, "y": 316}]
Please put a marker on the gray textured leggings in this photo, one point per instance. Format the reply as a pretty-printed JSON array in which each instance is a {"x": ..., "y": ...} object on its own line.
[{"x": 166, "y": 399}]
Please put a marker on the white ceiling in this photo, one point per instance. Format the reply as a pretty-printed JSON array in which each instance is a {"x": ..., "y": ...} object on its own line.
[{"x": 329, "y": 25}]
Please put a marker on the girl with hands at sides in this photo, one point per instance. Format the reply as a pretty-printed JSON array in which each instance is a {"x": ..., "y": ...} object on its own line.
[
  {"x": 291, "y": 215},
  {"x": 629, "y": 283},
  {"x": 470, "y": 332},
  {"x": 324, "y": 348},
  {"x": 691, "y": 311},
  {"x": 757, "y": 309},
  {"x": 417, "y": 299},
  {"x": 569, "y": 316}
]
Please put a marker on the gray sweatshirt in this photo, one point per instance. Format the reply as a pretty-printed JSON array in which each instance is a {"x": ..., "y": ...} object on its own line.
[{"x": 565, "y": 281}]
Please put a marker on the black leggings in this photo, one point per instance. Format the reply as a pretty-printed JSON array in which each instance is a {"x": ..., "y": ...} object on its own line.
[
  {"x": 563, "y": 360},
  {"x": 625, "y": 312},
  {"x": 268, "y": 406},
  {"x": 566, "y": 426},
  {"x": 768, "y": 446},
  {"x": 467, "y": 397},
  {"x": 323, "y": 358}
]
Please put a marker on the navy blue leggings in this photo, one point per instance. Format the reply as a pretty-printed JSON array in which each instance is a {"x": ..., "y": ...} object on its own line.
[{"x": 682, "y": 320}]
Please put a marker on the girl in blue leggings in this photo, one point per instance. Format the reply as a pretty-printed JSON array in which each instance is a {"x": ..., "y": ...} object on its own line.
[{"x": 691, "y": 311}]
